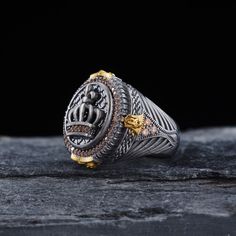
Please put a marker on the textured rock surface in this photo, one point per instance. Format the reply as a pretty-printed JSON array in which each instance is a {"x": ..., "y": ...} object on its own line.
[{"x": 193, "y": 193}]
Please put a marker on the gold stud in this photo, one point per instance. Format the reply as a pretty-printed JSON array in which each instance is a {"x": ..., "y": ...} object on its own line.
[
  {"x": 91, "y": 165},
  {"x": 84, "y": 160},
  {"x": 134, "y": 122},
  {"x": 74, "y": 157},
  {"x": 87, "y": 161},
  {"x": 102, "y": 73}
]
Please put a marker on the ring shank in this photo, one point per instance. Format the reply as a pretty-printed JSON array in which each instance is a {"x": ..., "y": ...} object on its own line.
[{"x": 163, "y": 142}]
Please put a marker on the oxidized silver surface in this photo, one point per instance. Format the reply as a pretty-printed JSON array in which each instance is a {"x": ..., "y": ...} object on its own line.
[{"x": 108, "y": 119}]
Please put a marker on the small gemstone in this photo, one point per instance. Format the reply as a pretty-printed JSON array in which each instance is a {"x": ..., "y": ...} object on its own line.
[
  {"x": 145, "y": 132},
  {"x": 147, "y": 121},
  {"x": 154, "y": 129}
]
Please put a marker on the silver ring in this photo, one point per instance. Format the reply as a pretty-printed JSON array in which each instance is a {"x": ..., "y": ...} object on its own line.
[{"x": 108, "y": 119}]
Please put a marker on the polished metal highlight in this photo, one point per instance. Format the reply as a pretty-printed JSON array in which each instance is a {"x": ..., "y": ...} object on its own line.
[{"x": 108, "y": 119}]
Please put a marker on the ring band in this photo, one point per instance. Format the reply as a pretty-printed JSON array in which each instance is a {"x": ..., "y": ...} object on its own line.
[{"x": 108, "y": 119}]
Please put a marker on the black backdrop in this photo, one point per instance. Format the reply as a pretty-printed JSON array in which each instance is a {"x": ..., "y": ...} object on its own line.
[{"x": 184, "y": 61}]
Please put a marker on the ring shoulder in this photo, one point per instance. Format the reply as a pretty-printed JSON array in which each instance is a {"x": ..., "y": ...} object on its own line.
[{"x": 159, "y": 134}]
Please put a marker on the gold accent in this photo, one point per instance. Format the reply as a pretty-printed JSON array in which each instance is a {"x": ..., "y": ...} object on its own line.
[
  {"x": 83, "y": 160},
  {"x": 88, "y": 161},
  {"x": 74, "y": 157},
  {"x": 134, "y": 122},
  {"x": 91, "y": 165},
  {"x": 104, "y": 74}
]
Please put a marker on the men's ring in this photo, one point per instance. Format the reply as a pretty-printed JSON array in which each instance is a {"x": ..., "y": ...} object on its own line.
[{"x": 108, "y": 119}]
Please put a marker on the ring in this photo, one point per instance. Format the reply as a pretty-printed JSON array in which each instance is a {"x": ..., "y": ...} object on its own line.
[{"x": 108, "y": 119}]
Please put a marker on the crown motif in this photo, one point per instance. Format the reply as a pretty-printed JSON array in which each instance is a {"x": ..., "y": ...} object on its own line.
[{"x": 85, "y": 118}]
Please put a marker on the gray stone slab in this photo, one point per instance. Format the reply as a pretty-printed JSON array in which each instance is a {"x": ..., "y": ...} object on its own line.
[{"x": 194, "y": 193}]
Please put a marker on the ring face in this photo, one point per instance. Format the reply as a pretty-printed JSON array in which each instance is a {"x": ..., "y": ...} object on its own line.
[
  {"x": 108, "y": 119},
  {"x": 93, "y": 122},
  {"x": 89, "y": 115}
]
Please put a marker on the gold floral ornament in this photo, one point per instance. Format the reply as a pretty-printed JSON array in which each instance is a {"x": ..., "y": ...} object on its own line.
[
  {"x": 88, "y": 161},
  {"x": 135, "y": 123},
  {"x": 101, "y": 73}
]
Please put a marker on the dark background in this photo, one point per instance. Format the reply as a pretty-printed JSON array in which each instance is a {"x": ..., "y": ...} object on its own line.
[{"x": 183, "y": 59}]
